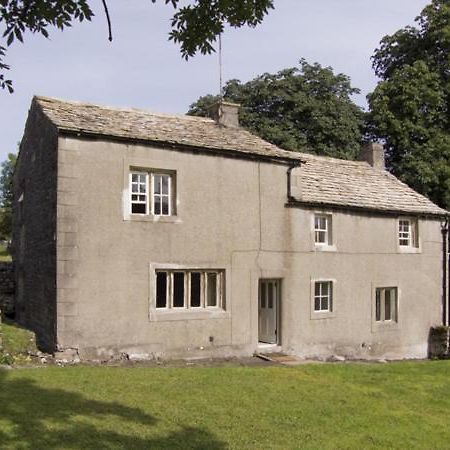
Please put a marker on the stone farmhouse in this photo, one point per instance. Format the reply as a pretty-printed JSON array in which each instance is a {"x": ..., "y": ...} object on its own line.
[{"x": 174, "y": 236}]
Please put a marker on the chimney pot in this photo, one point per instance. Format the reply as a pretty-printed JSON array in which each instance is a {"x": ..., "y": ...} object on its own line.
[
  {"x": 225, "y": 113},
  {"x": 373, "y": 153}
]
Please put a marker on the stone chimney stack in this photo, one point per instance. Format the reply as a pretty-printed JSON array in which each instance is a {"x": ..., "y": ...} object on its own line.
[
  {"x": 225, "y": 113},
  {"x": 373, "y": 153}
]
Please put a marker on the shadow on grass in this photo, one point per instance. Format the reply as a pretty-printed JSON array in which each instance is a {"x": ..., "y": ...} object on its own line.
[{"x": 33, "y": 417}]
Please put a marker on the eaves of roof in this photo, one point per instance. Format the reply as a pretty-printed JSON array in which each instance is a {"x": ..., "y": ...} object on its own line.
[
  {"x": 294, "y": 203},
  {"x": 294, "y": 161}
]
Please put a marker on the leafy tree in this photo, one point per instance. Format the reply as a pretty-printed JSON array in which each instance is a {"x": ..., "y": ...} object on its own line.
[
  {"x": 305, "y": 109},
  {"x": 410, "y": 107},
  {"x": 6, "y": 195},
  {"x": 195, "y": 26}
]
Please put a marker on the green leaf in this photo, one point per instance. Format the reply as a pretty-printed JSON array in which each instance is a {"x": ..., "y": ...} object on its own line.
[{"x": 305, "y": 109}]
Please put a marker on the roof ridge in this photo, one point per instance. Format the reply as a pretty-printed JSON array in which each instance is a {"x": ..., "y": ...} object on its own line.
[
  {"x": 44, "y": 98},
  {"x": 332, "y": 159}
]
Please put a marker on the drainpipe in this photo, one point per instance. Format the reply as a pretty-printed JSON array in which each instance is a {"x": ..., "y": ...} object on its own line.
[
  {"x": 448, "y": 270},
  {"x": 444, "y": 230},
  {"x": 288, "y": 173}
]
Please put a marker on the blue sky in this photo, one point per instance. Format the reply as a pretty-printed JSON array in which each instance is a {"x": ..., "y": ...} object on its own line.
[{"x": 141, "y": 69}]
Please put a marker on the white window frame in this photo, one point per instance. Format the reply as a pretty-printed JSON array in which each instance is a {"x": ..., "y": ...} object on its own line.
[
  {"x": 325, "y": 231},
  {"x": 321, "y": 296},
  {"x": 380, "y": 295},
  {"x": 408, "y": 230},
  {"x": 187, "y": 303},
  {"x": 160, "y": 195},
  {"x": 139, "y": 202},
  {"x": 330, "y": 312},
  {"x": 150, "y": 193}
]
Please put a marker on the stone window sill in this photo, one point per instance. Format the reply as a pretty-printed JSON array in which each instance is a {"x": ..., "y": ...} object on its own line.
[
  {"x": 152, "y": 219},
  {"x": 322, "y": 315},
  {"x": 187, "y": 314},
  {"x": 405, "y": 249},
  {"x": 380, "y": 327},
  {"x": 325, "y": 248}
]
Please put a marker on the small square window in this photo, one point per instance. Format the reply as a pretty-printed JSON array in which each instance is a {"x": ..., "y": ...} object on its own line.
[
  {"x": 408, "y": 233},
  {"x": 323, "y": 296},
  {"x": 322, "y": 229},
  {"x": 386, "y": 304}
]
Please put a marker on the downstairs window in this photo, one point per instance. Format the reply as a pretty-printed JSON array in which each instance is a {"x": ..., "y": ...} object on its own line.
[
  {"x": 386, "y": 304},
  {"x": 323, "y": 296},
  {"x": 190, "y": 289}
]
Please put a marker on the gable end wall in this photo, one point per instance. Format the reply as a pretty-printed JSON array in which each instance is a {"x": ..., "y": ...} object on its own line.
[{"x": 34, "y": 228}]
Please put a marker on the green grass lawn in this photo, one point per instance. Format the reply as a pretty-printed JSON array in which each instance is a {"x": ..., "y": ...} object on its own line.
[
  {"x": 317, "y": 406},
  {"x": 4, "y": 253},
  {"x": 16, "y": 343}
]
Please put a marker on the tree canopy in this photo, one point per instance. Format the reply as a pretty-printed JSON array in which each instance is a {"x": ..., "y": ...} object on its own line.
[
  {"x": 410, "y": 107},
  {"x": 6, "y": 195},
  {"x": 306, "y": 108},
  {"x": 195, "y": 25}
]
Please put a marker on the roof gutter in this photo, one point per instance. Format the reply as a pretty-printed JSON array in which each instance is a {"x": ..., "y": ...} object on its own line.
[{"x": 294, "y": 203}]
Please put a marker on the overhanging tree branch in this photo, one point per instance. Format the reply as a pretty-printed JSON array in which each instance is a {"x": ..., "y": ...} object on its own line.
[
  {"x": 105, "y": 6},
  {"x": 195, "y": 26}
]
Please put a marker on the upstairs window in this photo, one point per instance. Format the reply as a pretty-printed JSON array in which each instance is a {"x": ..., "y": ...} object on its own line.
[
  {"x": 152, "y": 193},
  {"x": 139, "y": 192},
  {"x": 190, "y": 289},
  {"x": 161, "y": 194},
  {"x": 386, "y": 304},
  {"x": 407, "y": 233},
  {"x": 322, "y": 229}
]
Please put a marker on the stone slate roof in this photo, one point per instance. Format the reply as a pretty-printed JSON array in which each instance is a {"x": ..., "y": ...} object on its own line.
[
  {"x": 356, "y": 185},
  {"x": 320, "y": 181},
  {"x": 134, "y": 124}
]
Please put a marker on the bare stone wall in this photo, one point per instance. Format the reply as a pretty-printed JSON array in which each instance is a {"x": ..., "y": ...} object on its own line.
[
  {"x": 7, "y": 285},
  {"x": 34, "y": 228},
  {"x": 6, "y": 292}
]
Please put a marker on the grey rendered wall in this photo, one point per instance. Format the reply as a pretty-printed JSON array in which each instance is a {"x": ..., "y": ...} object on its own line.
[
  {"x": 231, "y": 215},
  {"x": 105, "y": 259},
  {"x": 34, "y": 224},
  {"x": 364, "y": 255}
]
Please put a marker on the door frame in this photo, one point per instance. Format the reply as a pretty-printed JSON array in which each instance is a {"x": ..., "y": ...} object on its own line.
[{"x": 277, "y": 305}]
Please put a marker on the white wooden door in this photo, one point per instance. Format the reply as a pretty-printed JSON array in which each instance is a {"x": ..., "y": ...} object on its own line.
[{"x": 269, "y": 292}]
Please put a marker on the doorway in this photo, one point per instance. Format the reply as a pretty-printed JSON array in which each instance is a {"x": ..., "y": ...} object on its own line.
[{"x": 268, "y": 310}]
